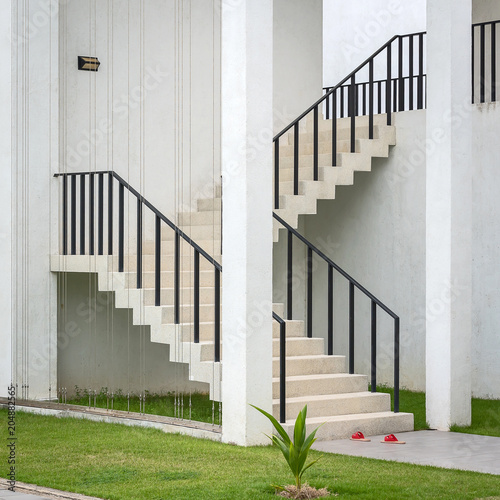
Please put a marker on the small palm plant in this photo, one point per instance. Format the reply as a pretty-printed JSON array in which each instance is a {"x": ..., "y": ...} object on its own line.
[{"x": 296, "y": 451}]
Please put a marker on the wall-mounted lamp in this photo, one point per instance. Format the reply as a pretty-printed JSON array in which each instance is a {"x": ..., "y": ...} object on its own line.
[{"x": 86, "y": 63}]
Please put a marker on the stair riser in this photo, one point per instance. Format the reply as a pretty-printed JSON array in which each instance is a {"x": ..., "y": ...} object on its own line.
[
  {"x": 167, "y": 279},
  {"x": 343, "y": 134},
  {"x": 207, "y": 218},
  {"x": 292, "y": 329},
  {"x": 209, "y": 204},
  {"x": 208, "y": 232},
  {"x": 186, "y": 296},
  {"x": 186, "y": 313},
  {"x": 300, "y": 347},
  {"x": 320, "y": 386},
  {"x": 212, "y": 247},
  {"x": 323, "y": 148},
  {"x": 320, "y": 365},
  {"x": 335, "y": 407}
]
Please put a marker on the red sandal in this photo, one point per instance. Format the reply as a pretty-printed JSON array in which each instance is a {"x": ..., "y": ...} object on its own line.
[
  {"x": 358, "y": 436},
  {"x": 392, "y": 439}
]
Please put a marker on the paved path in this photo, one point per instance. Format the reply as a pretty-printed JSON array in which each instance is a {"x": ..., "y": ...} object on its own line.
[
  {"x": 451, "y": 450},
  {"x": 26, "y": 491}
]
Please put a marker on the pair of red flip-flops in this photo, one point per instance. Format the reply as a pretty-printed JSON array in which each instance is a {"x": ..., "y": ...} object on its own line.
[{"x": 391, "y": 438}]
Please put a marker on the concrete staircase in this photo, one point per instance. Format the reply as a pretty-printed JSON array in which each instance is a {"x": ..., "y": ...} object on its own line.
[
  {"x": 310, "y": 191},
  {"x": 333, "y": 396}
]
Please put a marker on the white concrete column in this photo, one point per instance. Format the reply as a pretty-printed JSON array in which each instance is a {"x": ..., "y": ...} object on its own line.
[
  {"x": 6, "y": 198},
  {"x": 449, "y": 201},
  {"x": 247, "y": 123}
]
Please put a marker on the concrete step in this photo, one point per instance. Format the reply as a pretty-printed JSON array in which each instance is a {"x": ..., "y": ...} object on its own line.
[
  {"x": 204, "y": 232},
  {"x": 336, "y": 404},
  {"x": 186, "y": 311},
  {"x": 166, "y": 263},
  {"x": 314, "y": 385},
  {"x": 209, "y": 204},
  {"x": 300, "y": 346},
  {"x": 293, "y": 328},
  {"x": 211, "y": 246},
  {"x": 207, "y": 279},
  {"x": 343, "y": 426},
  {"x": 343, "y": 133},
  {"x": 205, "y": 218},
  {"x": 186, "y": 295},
  {"x": 310, "y": 365}
]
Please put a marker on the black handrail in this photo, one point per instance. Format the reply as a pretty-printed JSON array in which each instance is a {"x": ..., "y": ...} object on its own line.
[
  {"x": 159, "y": 217},
  {"x": 282, "y": 324},
  {"x": 352, "y": 285},
  {"x": 353, "y": 105}
]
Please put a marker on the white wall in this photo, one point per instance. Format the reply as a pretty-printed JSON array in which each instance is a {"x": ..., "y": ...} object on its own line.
[
  {"x": 298, "y": 56},
  {"x": 99, "y": 346},
  {"x": 352, "y": 31},
  {"x": 486, "y": 251},
  {"x": 485, "y": 10}
]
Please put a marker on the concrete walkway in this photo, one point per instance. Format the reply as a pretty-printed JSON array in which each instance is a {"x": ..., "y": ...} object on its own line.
[
  {"x": 451, "y": 450},
  {"x": 24, "y": 491}
]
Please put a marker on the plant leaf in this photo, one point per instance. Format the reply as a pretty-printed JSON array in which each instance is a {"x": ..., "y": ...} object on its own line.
[
  {"x": 276, "y": 424},
  {"x": 309, "y": 465},
  {"x": 299, "y": 432}
]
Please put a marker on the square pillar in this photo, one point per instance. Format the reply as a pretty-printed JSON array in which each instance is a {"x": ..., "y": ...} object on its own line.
[
  {"x": 247, "y": 155},
  {"x": 448, "y": 213},
  {"x": 6, "y": 199}
]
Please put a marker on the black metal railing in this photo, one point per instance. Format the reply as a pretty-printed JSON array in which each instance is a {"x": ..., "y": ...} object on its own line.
[
  {"x": 484, "y": 62},
  {"x": 86, "y": 227},
  {"x": 336, "y": 94},
  {"x": 353, "y": 285},
  {"x": 282, "y": 357}
]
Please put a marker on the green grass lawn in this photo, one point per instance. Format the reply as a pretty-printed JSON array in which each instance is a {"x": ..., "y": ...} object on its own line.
[{"x": 118, "y": 462}]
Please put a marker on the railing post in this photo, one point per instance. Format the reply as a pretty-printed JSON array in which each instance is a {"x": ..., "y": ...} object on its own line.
[
  {"x": 110, "y": 213},
  {"x": 217, "y": 316},
  {"x": 65, "y": 215},
  {"x": 327, "y": 102},
  {"x": 296, "y": 159},
  {"x": 334, "y": 128},
  {"x": 157, "y": 260},
  {"x": 309, "y": 293},
  {"x": 289, "y": 276},
  {"x": 473, "y": 36},
  {"x": 420, "y": 97},
  {"x": 91, "y": 214},
  {"x": 388, "y": 84},
  {"x": 139, "y": 243},
  {"x": 315, "y": 144},
  {"x": 370, "y": 100},
  {"x": 351, "y": 328},
  {"x": 401, "y": 91},
  {"x": 330, "y": 310},
  {"x": 121, "y": 227},
  {"x": 396, "y": 365},
  {"x": 177, "y": 265},
  {"x": 82, "y": 214},
  {"x": 196, "y": 312},
  {"x": 277, "y": 173},
  {"x": 342, "y": 111},
  {"x": 493, "y": 63},
  {"x": 73, "y": 215},
  {"x": 410, "y": 73},
  {"x": 352, "y": 106},
  {"x": 482, "y": 63},
  {"x": 374, "y": 348},
  {"x": 282, "y": 372},
  {"x": 100, "y": 215}
]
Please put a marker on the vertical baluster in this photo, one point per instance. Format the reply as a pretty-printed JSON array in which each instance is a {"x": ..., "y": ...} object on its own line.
[
  {"x": 352, "y": 105},
  {"x": 388, "y": 85},
  {"x": 370, "y": 99},
  {"x": 315, "y": 144},
  {"x": 420, "y": 92},
  {"x": 91, "y": 214},
  {"x": 65, "y": 215},
  {"x": 327, "y": 103},
  {"x": 157, "y": 260},
  {"x": 395, "y": 95},
  {"x": 493, "y": 63},
  {"x": 177, "y": 281},
  {"x": 110, "y": 214},
  {"x": 473, "y": 62},
  {"x": 342, "y": 101},
  {"x": 351, "y": 328},
  {"x": 334, "y": 128},
  {"x": 289, "y": 276},
  {"x": 121, "y": 226},
  {"x": 356, "y": 99},
  {"x": 196, "y": 313},
  {"x": 396, "y": 365},
  {"x": 309, "y": 293},
  {"x": 282, "y": 372},
  {"x": 217, "y": 316},
  {"x": 410, "y": 73},
  {"x": 482, "y": 62},
  {"x": 296, "y": 159},
  {"x": 277, "y": 173},
  {"x": 379, "y": 97},
  {"x": 139, "y": 243},
  {"x": 73, "y": 215},
  {"x": 330, "y": 310},
  {"x": 82, "y": 214},
  {"x": 401, "y": 92},
  {"x": 374, "y": 347},
  {"x": 364, "y": 98},
  {"x": 100, "y": 215}
]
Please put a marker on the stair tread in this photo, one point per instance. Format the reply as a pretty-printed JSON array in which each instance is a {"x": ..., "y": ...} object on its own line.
[
  {"x": 293, "y": 378},
  {"x": 323, "y": 397},
  {"x": 351, "y": 416},
  {"x": 309, "y": 356}
]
